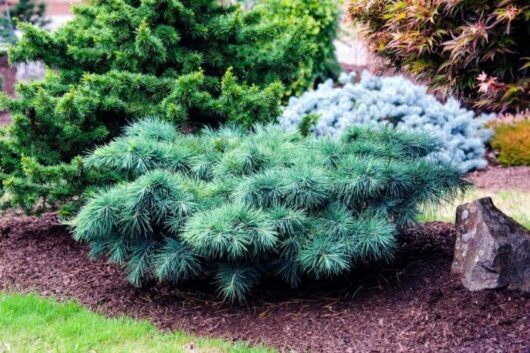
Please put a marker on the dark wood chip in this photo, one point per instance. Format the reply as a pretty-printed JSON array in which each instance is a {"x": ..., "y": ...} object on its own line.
[{"x": 410, "y": 305}]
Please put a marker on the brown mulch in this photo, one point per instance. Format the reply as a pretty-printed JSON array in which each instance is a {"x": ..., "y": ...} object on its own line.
[
  {"x": 496, "y": 178},
  {"x": 412, "y": 305}
]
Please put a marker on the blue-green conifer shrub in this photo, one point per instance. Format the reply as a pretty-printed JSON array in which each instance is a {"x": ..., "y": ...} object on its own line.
[{"x": 234, "y": 207}]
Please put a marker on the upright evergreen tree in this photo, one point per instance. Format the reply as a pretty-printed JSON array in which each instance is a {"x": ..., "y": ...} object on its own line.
[
  {"x": 188, "y": 61},
  {"x": 321, "y": 18}
]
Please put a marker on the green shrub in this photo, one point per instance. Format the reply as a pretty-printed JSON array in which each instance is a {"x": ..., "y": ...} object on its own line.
[
  {"x": 322, "y": 18},
  {"x": 513, "y": 143},
  {"x": 476, "y": 49},
  {"x": 236, "y": 206},
  {"x": 119, "y": 60}
]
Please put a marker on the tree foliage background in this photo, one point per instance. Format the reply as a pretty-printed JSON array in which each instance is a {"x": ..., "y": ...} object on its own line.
[{"x": 28, "y": 11}]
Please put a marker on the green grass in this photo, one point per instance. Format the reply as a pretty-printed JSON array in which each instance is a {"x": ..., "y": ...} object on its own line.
[
  {"x": 514, "y": 203},
  {"x": 29, "y": 323}
]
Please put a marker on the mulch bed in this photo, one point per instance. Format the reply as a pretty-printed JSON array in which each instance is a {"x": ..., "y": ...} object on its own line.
[
  {"x": 501, "y": 178},
  {"x": 412, "y": 305}
]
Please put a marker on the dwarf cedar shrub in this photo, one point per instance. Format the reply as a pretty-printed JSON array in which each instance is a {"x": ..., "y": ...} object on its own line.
[
  {"x": 322, "y": 21},
  {"x": 513, "y": 143},
  {"x": 475, "y": 49},
  {"x": 193, "y": 62},
  {"x": 235, "y": 206}
]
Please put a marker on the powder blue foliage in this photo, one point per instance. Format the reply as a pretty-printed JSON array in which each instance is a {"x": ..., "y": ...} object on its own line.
[{"x": 397, "y": 101}]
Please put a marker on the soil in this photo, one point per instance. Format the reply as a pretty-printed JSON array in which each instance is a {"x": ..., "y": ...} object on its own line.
[
  {"x": 496, "y": 178},
  {"x": 413, "y": 304}
]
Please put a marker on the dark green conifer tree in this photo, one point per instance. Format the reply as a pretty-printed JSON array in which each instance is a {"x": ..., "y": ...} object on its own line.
[
  {"x": 320, "y": 17},
  {"x": 189, "y": 61}
]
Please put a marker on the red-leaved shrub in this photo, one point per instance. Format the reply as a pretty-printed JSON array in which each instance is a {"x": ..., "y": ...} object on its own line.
[{"x": 478, "y": 50}]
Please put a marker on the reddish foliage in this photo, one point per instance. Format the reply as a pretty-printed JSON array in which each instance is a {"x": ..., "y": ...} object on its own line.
[{"x": 475, "y": 49}]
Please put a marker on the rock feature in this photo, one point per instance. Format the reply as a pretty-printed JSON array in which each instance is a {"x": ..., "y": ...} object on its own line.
[{"x": 492, "y": 250}]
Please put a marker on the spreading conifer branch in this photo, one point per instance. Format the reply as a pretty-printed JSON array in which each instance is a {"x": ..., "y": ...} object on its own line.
[{"x": 246, "y": 205}]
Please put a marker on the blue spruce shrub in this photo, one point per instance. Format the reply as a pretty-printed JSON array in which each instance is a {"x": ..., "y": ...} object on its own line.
[
  {"x": 233, "y": 206},
  {"x": 330, "y": 110}
]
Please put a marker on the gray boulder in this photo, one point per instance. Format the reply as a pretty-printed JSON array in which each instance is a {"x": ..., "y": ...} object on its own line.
[{"x": 492, "y": 250}]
